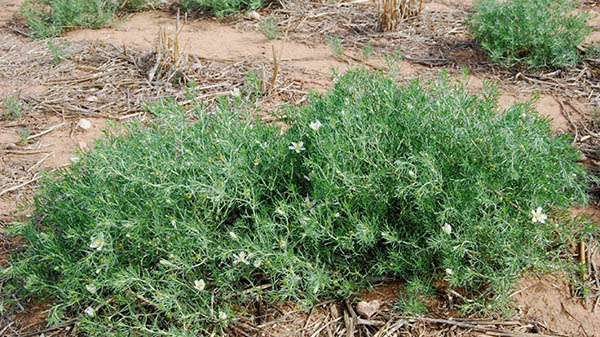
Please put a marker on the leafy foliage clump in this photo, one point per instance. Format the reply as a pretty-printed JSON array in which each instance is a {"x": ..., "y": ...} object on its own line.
[
  {"x": 223, "y": 8},
  {"x": 537, "y": 33},
  {"x": 47, "y": 18},
  {"x": 160, "y": 229}
]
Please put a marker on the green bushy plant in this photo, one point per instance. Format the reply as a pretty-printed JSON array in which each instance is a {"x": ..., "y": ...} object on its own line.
[
  {"x": 367, "y": 51},
  {"x": 59, "y": 52},
  {"x": 537, "y": 33},
  {"x": 269, "y": 28},
  {"x": 140, "y": 5},
  {"x": 47, "y": 18},
  {"x": 335, "y": 44},
  {"x": 11, "y": 108},
  {"x": 224, "y": 7},
  {"x": 160, "y": 229}
]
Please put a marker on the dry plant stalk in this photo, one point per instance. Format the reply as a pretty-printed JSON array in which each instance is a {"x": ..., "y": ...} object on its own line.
[
  {"x": 392, "y": 12},
  {"x": 277, "y": 59},
  {"x": 275, "y": 67},
  {"x": 168, "y": 51}
]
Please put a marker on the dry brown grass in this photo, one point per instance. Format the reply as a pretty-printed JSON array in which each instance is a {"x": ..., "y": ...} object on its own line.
[{"x": 392, "y": 12}]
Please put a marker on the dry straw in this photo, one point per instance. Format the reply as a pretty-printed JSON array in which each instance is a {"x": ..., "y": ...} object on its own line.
[
  {"x": 168, "y": 53},
  {"x": 392, "y": 12}
]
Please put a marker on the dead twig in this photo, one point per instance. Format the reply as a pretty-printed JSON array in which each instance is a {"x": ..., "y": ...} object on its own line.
[
  {"x": 16, "y": 187},
  {"x": 52, "y": 128},
  {"x": 476, "y": 326}
]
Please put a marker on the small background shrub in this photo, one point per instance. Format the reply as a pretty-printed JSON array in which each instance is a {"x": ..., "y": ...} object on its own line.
[
  {"x": 187, "y": 215},
  {"x": 367, "y": 51},
  {"x": 47, "y": 18},
  {"x": 335, "y": 44},
  {"x": 269, "y": 28},
  {"x": 140, "y": 5},
  {"x": 11, "y": 108},
  {"x": 537, "y": 33},
  {"x": 224, "y": 7},
  {"x": 59, "y": 52}
]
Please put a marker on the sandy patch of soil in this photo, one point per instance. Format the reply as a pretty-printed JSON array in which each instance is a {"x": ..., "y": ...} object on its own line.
[
  {"x": 8, "y": 8},
  {"x": 212, "y": 39},
  {"x": 547, "y": 301},
  {"x": 547, "y": 105},
  {"x": 594, "y": 23},
  {"x": 20, "y": 162}
]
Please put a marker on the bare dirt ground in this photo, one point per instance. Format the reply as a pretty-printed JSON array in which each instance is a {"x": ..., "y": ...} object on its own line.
[{"x": 103, "y": 76}]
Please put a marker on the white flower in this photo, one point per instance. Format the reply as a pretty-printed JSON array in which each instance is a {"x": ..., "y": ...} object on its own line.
[
  {"x": 74, "y": 159},
  {"x": 449, "y": 271},
  {"x": 90, "y": 288},
  {"x": 538, "y": 216},
  {"x": 233, "y": 235},
  {"x": 411, "y": 173},
  {"x": 298, "y": 147},
  {"x": 316, "y": 290},
  {"x": 240, "y": 258},
  {"x": 336, "y": 215},
  {"x": 90, "y": 311},
  {"x": 97, "y": 241},
  {"x": 280, "y": 211},
  {"x": 447, "y": 228},
  {"x": 199, "y": 284},
  {"x": 222, "y": 315},
  {"x": 236, "y": 92},
  {"x": 307, "y": 203},
  {"x": 315, "y": 125},
  {"x": 257, "y": 263},
  {"x": 174, "y": 224},
  {"x": 166, "y": 263}
]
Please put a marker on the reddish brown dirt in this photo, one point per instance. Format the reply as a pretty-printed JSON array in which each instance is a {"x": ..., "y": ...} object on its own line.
[
  {"x": 546, "y": 299},
  {"x": 594, "y": 23},
  {"x": 58, "y": 146},
  {"x": 215, "y": 40},
  {"x": 546, "y": 105}
]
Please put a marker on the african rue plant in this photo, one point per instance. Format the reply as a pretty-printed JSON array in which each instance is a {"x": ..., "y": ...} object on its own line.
[
  {"x": 224, "y": 7},
  {"x": 170, "y": 228},
  {"x": 536, "y": 33},
  {"x": 335, "y": 44},
  {"x": 59, "y": 53},
  {"x": 11, "y": 108},
  {"x": 47, "y": 18},
  {"x": 367, "y": 51},
  {"x": 269, "y": 28}
]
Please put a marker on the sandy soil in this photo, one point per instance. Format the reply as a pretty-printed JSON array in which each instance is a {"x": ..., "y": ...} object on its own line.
[
  {"x": 547, "y": 300},
  {"x": 214, "y": 40},
  {"x": 544, "y": 300}
]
